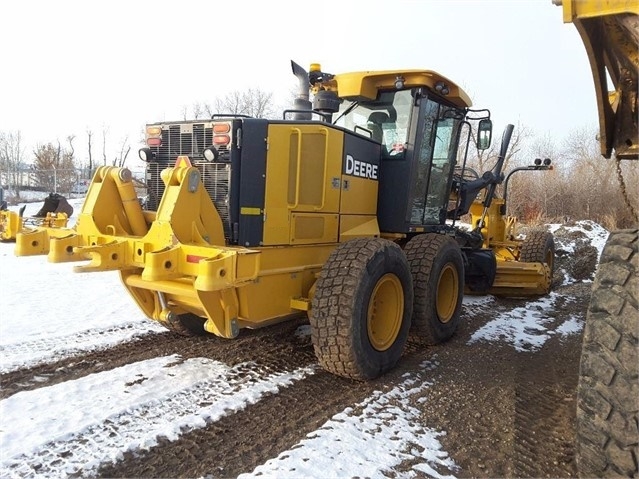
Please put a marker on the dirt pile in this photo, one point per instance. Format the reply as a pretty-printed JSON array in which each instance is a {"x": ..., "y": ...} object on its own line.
[{"x": 578, "y": 248}]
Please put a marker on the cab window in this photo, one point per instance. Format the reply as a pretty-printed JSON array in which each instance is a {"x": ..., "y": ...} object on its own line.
[
  {"x": 385, "y": 120},
  {"x": 435, "y": 158}
]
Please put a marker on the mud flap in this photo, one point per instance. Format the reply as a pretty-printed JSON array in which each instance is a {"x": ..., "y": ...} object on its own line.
[{"x": 480, "y": 269}]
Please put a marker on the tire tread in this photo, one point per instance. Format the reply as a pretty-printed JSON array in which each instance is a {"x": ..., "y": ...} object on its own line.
[{"x": 608, "y": 390}]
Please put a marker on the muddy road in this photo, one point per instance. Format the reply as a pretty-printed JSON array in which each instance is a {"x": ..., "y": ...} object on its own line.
[{"x": 499, "y": 397}]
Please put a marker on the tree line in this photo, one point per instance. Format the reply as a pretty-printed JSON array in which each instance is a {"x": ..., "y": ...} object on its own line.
[
  {"x": 55, "y": 166},
  {"x": 50, "y": 166},
  {"x": 581, "y": 185}
]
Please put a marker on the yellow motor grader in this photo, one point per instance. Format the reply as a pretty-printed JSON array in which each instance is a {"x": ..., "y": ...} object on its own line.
[
  {"x": 52, "y": 216},
  {"x": 346, "y": 210}
]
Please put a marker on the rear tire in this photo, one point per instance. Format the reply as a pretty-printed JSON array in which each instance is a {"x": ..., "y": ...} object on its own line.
[
  {"x": 539, "y": 247},
  {"x": 608, "y": 391},
  {"x": 437, "y": 268},
  {"x": 361, "y": 309}
]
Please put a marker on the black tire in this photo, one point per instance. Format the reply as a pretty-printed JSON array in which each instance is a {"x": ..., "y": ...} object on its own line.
[
  {"x": 539, "y": 247},
  {"x": 361, "y": 309},
  {"x": 608, "y": 390},
  {"x": 437, "y": 268},
  {"x": 187, "y": 324}
]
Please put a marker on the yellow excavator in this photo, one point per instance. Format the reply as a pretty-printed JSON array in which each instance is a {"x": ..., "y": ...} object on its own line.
[
  {"x": 347, "y": 209},
  {"x": 608, "y": 391}
]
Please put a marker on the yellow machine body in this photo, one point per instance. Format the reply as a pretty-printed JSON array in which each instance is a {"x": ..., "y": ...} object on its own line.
[
  {"x": 175, "y": 261},
  {"x": 610, "y": 33},
  {"x": 514, "y": 277},
  {"x": 11, "y": 223},
  {"x": 301, "y": 188}
]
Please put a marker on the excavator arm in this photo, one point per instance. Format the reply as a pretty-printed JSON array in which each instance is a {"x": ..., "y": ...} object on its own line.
[{"x": 609, "y": 30}]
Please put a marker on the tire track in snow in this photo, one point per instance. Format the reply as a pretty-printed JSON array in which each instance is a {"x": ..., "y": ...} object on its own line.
[
  {"x": 281, "y": 347},
  {"x": 371, "y": 439},
  {"x": 34, "y": 353},
  {"x": 70, "y": 429}
]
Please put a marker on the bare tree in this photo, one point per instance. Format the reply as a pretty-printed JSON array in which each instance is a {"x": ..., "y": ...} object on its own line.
[
  {"x": 595, "y": 183},
  {"x": 485, "y": 160},
  {"x": 122, "y": 155},
  {"x": 12, "y": 160},
  {"x": 541, "y": 192},
  {"x": 208, "y": 110},
  {"x": 199, "y": 111},
  {"x": 89, "y": 136},
  {"x": 252, "y": 102},
  {"x": 70, "y": 139},
  {"x": 104, "y": 135}
]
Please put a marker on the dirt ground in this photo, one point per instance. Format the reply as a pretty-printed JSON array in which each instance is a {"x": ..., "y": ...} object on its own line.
[{"x": 505, "y": 413}]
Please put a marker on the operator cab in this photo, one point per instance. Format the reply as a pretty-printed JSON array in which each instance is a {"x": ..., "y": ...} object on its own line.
[{"x": 420, "y": 135}]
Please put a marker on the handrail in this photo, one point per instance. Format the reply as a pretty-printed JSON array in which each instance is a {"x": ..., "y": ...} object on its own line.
[
  {"x": 321, "y": 206},
  {"x": 299, "y": 169}
]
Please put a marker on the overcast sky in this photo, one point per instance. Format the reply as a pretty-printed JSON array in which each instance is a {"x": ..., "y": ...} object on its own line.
[{"x": 69, "y": 66}]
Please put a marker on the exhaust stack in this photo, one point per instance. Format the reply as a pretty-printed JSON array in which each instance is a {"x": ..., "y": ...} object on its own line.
[{"x": 302, "y": 101}]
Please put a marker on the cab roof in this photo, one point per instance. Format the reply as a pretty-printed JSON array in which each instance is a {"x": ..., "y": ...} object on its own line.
[{"x": 366, "y": 85}]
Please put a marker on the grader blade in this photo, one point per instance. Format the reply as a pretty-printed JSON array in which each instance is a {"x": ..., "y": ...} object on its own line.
[{"x": 516, "y": 278}]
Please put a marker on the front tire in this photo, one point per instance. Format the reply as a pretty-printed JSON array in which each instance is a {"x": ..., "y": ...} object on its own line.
[
  {"x": 539, "y": 247},
  {"x": 608, "y": 390},
  {"x": 361, "y": 309},
  {"x": 437, "y": 268}
]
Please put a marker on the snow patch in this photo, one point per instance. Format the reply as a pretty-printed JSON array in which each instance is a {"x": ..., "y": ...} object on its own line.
[
  {"x": 369, "y": 443},
  {"x": 526, "y": 328},
  {"x": 78, "y": 425}
]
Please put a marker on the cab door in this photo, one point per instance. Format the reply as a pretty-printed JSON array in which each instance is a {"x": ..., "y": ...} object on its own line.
[{"x": 434, "y": 159}]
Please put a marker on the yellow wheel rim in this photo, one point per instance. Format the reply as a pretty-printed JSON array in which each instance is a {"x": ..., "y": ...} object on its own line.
[
  {"x": 385, "y": 312},
  {"x": 447, "y": 293}
]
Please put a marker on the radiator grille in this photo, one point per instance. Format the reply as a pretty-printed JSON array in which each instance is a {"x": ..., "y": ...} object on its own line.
[
  {"x": 183, "y": 140},
  {"x": 190, "y": 139},
  {"x": 216, "y": 178}
]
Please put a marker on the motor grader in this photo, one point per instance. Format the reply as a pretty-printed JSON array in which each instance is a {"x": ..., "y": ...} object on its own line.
[
  {"x": 52, "y": 216},
  {"x": 608, "y": 391},
  {"x": 346, "y": 210}
]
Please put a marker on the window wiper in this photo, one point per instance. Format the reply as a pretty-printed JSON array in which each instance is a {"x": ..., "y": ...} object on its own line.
[{"x": 354, "y": 105}]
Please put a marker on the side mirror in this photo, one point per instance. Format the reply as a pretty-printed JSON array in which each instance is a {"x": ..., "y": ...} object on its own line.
[{"x": 484, "y": 134}]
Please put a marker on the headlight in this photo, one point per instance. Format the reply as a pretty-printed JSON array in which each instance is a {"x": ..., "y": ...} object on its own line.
[
  {"x": 210, "y": 154},
  {"x": 146, "y": 154}
]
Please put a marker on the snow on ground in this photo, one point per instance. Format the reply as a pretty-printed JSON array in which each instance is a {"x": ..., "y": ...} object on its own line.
[
  {"x": 70, "y": 428},
  {"x": 593, "y": 233},
  {"x": 49, "y": 312},
  {"x": 528, "y": 328},
  {"x": 73, "y": 427},
  {"x": 367, "y": 440}
]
